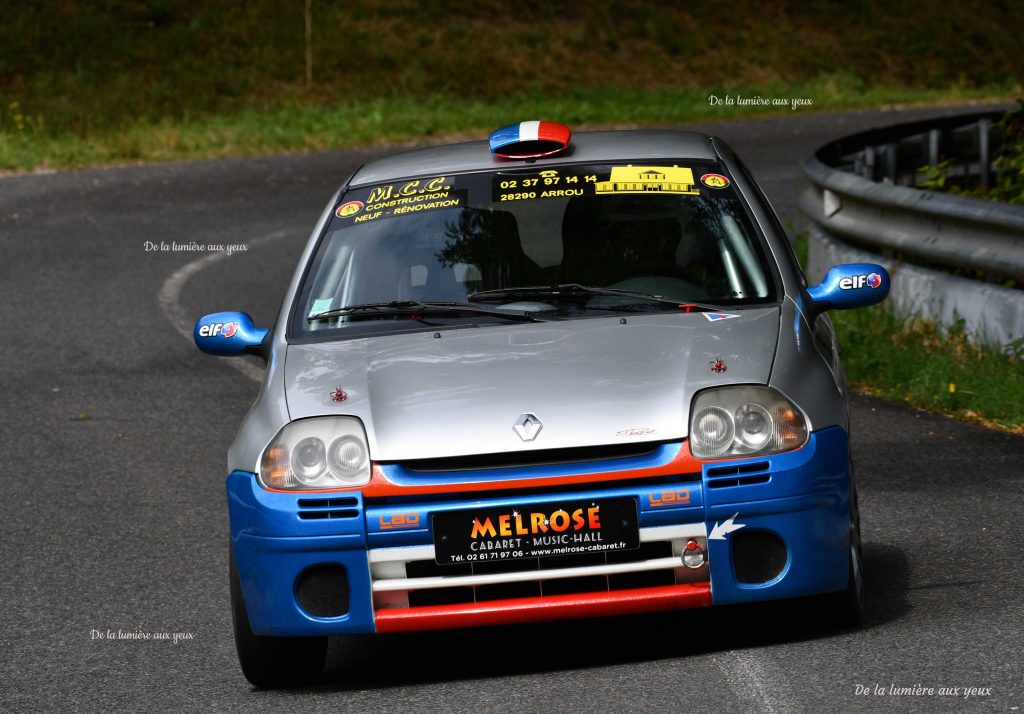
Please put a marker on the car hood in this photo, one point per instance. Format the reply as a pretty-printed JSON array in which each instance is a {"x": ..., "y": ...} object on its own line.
[{"x": 589, "y": 381}]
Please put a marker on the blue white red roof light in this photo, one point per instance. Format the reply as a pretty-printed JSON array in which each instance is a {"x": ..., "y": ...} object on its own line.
[{"x": 529, "y": 139}]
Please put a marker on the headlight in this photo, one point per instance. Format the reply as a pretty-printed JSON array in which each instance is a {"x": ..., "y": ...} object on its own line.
[
  {"x": 744, "y": 421},
  {"x": 318, "y": 453}
]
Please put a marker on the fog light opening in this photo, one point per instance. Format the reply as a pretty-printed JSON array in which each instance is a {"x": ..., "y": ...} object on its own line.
[
  {"x": 758, "y": 556},
  {"x": 322, "y": 590}
]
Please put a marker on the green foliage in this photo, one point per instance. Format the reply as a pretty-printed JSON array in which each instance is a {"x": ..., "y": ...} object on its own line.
[
  {"x": 1009, "y": 162},
  {"x": 120, "y": 76},
  {"x": 295, "y": 126},
  {"x": 924, "y": 365},
  {"x": 935, "y": 176}
]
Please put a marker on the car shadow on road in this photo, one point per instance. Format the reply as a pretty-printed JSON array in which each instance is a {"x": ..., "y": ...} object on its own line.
[{"x": 421, "y": 658}]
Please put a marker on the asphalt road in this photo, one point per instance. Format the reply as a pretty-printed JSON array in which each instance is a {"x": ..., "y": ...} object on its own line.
[{"x": 114, "y": 430}]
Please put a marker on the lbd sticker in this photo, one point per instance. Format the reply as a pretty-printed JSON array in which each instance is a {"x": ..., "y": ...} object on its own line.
[
  {"x": 349, "y": 209},
  {"x": 714, "y": 180}
]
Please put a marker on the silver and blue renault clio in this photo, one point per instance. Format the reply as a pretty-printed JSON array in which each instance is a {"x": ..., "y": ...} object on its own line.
[{"x": 539, "y": 377}]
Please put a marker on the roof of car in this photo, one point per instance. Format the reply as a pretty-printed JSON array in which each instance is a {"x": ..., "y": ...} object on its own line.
[{"x": 586, "y": 146}]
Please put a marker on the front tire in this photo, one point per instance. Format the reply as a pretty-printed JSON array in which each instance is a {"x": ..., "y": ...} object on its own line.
[
  {"x": 846, "y": 607},
  {"x": 271, "y": 662},
  {"x": 850, "y": 604},
  {"x": 853, "y": 611}
]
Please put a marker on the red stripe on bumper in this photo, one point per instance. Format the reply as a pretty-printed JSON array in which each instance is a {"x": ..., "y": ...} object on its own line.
[{"x": 553, "y": 607}]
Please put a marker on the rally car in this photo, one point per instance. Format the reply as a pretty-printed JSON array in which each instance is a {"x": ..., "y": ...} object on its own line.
[{"x": 537, "y": 377}]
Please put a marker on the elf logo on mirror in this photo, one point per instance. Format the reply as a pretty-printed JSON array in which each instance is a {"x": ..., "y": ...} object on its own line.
[
  {"x": 225, "y": 329},
  {"x": 872, "y": 280}
]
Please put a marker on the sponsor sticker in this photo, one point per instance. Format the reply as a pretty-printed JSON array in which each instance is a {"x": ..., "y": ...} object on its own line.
[
  {"x": 224, "y": 329},
  {"x": 397, "y": 199},
  {"x": 399, "y": 521},
  {"x": 549, "y": 183},
  {"x": 714, "y": 180},
  {"x": 571, "y": 181},
  {"x": 648, "y": 179},
  {"x": 349, "y": 209},
  {"x": 669, "y": 499},
  {"x": 853, "y": 282},
  {"x": 535, "y": 530}
]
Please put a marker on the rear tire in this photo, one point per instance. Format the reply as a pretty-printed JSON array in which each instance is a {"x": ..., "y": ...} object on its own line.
[{"x": 271, "y": 662}]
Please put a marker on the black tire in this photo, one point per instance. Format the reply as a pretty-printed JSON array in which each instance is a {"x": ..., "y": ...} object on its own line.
[
  {"x": 854, "y": 596},
  {"x": 850, "y": 604},
  {"x": 846, "y": 607},
  {"x": 272, "y": 662}
]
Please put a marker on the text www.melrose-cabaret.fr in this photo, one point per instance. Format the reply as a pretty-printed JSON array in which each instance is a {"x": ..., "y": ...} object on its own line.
[{"x": 536, "y": 553}]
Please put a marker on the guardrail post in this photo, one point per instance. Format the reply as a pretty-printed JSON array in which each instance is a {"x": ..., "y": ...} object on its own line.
[
  {"x": 984, "y": 159},
  {"x": 869, "y": 163},
  {"x": 890, "y": 163},
  {"x": 934, "y": 144}
]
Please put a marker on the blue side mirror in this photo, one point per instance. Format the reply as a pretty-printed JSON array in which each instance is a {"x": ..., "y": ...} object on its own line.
[
  {"x": 850, "y": 286},
  {"x": 227, "y": 334}
]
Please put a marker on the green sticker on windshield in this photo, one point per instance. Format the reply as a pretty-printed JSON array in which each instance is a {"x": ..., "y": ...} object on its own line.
[{"x": 321, "y": 305}]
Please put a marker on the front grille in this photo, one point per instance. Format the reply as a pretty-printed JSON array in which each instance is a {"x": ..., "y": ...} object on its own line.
[
  {"x": 563, "y": 586},
  {"x": 409, "y": 577},
  {"x": 614, "y": 481},
  {"x": 740, "y": 475},
  {"x": 543, "y": 457},
  {"x": 319, "y": 508},
  {"x": 740, "y": 481}
]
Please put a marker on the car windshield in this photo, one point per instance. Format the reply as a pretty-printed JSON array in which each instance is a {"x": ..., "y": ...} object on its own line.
[{"x": 534, "y": 240}]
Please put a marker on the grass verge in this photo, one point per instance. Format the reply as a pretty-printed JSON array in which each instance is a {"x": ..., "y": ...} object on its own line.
[
  {"x": 933, "y": 368},
  {"x": 295, "y": 126}
]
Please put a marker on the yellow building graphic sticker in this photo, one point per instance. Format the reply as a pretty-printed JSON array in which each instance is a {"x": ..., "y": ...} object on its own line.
[{"x": 648, "y": 179}]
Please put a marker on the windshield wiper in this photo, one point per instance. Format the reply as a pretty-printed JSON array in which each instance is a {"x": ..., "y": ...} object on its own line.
[
  {"x": 374, "y": 310},
  {"x": 575, "y": 290}
]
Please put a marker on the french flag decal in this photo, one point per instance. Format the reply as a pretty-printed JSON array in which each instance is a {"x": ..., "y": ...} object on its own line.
[
  {"x": 529, "y": 139},
  {"x": 714, "y": 316}
]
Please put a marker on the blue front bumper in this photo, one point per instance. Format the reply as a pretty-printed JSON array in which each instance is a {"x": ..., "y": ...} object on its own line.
[{"x": 801, "y": 497}]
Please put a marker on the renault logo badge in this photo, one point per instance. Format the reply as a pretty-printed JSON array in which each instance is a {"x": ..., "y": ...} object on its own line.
[{"x": 528, "y": 426}]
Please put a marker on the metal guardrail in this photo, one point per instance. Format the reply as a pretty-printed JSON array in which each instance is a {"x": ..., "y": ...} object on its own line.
[{"x": 862, "y": 200}]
